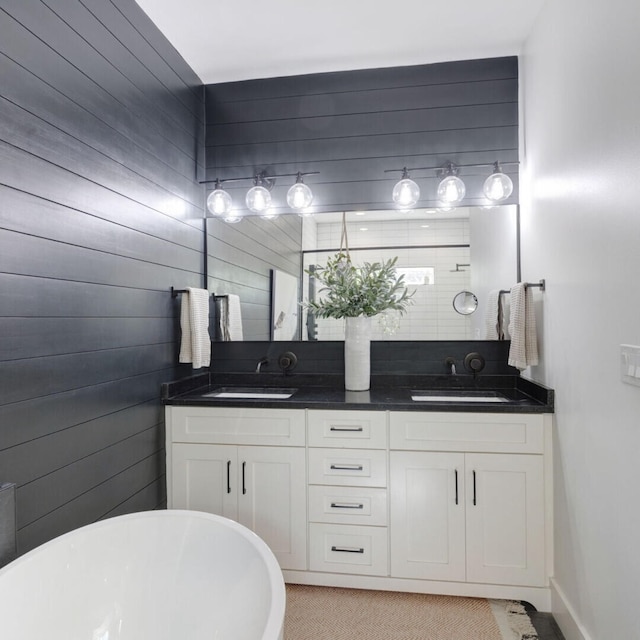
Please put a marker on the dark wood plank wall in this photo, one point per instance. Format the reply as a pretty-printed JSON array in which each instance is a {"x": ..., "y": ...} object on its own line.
[
  {"x": 350, "y": 126},
  {"x": 101, "y": 131}
]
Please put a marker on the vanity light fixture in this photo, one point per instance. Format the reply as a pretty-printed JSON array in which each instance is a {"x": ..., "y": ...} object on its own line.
[
  {"x": 258, "y": 198},
  {"x": 451, "y": 189},
  {"x": 299, "y": 196},
  {"x": 498, "y": 186},
  {"x": 406, "y": 192}
]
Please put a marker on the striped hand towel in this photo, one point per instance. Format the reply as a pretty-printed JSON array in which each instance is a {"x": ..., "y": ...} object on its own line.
[{"x": 195, "y": 344}]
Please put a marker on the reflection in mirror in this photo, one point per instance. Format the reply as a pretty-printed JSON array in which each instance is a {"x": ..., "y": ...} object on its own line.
[
  {"x": 465, "y": 303},
  {"x": 284, "y": 306},
  {"x": 440, "y": 252}
]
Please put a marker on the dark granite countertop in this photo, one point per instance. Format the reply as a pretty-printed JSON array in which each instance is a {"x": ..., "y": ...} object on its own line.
[{"x": 318, "y": 391}]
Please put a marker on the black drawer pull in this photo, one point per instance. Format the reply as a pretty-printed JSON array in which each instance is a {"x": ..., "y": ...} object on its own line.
[
  {"x": 346, "y": 467},
  {"x": 348, "y": 549},
  {"x": 228, "y": 476},
  {"x": 359, "y": 429},
  {"x": 244, "y": 486},
  {"x": 456, "y": 486},
  {"x": 346, "y": 505}
]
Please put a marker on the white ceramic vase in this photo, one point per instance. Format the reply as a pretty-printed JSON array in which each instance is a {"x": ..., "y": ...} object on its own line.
[{"x": 357, "y": 353}]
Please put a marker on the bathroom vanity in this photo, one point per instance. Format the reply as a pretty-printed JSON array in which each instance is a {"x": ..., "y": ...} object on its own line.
[{"x": 376, "y": 490}]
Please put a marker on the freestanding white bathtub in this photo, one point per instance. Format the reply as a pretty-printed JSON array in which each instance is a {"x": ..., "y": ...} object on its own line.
[{"x": 156, "y": 575}]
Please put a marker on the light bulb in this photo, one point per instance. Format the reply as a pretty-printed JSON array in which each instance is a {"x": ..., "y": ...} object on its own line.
[
  {"x": 219, "y": 202},
  {"x": 258, "y": 199},
  {"x": 498, "y": 186},
  {"x": 299, "y": 196},
  {"x": 451, "y": 190},
  {"x": 406, "y": 192}
]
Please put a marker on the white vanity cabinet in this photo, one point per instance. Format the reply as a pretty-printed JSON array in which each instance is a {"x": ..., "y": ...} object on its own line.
[
  {"x": 348, "y": 492},
  {"x": 245, "y": 464},
  {"x": 460, "y": 513},
  {"x": 438, "y": 502}
]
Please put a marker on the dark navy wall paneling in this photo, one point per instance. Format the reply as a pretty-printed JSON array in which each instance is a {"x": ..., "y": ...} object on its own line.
[
  {"x": 353, "y": 125},
  {"x": 101, "y": 212}
]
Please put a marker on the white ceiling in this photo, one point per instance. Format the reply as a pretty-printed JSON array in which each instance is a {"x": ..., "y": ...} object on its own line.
[{"x": 241, "y": 40}]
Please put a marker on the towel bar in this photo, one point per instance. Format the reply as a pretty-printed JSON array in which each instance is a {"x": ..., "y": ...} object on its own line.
[
  {"x": 529, "y": 285},
  {"x": 175, "y": 292}
]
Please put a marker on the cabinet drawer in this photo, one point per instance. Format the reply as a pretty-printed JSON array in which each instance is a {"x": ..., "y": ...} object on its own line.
[
  {"x": 482, "y": 432},
  {"x": 348, "y": 549},
  {"x": 349, "y": 467},
  {"x": 347, "y": 429},
  {"x": 237, "y": 425},
  {"x": 348, "y": 505}
]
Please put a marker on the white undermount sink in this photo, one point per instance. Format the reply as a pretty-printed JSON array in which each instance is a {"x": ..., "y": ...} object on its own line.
[
  {"x": 247, "y": 393},
  {"x": 457, "y": 395}
]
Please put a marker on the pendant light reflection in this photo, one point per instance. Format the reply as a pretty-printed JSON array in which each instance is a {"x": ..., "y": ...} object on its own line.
[
  {"x": 498, "y": 186},
  {"x": 300, "y": 196},
  {"x": 406, "y": 192},
  {"x": 451, "y": 189},
  {"x": 219, "y": 202}
]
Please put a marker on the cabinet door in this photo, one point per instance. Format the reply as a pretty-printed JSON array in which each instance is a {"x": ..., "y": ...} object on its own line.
[
  {"x": 272, "y": 500},
  {"x": 427, "y": 515},
  {"x": 505, "y": 519},
  {"x": 203, "y": 478}
]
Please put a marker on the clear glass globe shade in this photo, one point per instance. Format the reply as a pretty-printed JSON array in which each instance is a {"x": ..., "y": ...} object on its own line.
[
  {"x": 497, "y": 187},
  {"x": 451, "y": 190},
  {"x": 406, "y": 193},
  {"x": 219, "y": 202},
  {"x": 299, "y": 196},
  {"x": 258, "y": 199}
]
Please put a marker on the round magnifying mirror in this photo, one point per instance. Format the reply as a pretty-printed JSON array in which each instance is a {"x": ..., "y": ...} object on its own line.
[{"x": 465, "y": 303}]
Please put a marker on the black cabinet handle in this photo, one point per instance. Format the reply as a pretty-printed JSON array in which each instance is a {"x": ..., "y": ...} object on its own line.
[
  {"x": 474, "y": 488},
  {"x": 348, "y": 549},
  {"x": 346, "y": 505},
  {"x": 358, "y": 429},
  {"x": 228, "y": 476},
  {"x": 456, "y": 472},
  {"x": 244, "y": 487},
  {"x": 346, "y": 467}
]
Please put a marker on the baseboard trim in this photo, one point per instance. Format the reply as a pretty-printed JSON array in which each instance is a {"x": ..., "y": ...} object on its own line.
[{"x": 565, "y": 615}]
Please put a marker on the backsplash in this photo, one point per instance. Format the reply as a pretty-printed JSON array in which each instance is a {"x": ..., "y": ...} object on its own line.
[{"x": 392, "y": 357}]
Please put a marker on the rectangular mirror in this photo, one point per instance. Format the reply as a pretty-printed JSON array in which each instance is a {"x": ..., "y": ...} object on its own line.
[{"x": 442, "y": 253}]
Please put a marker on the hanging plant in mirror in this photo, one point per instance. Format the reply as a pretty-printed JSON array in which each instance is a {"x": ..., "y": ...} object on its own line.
[{"x": 357, "y": 293}]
